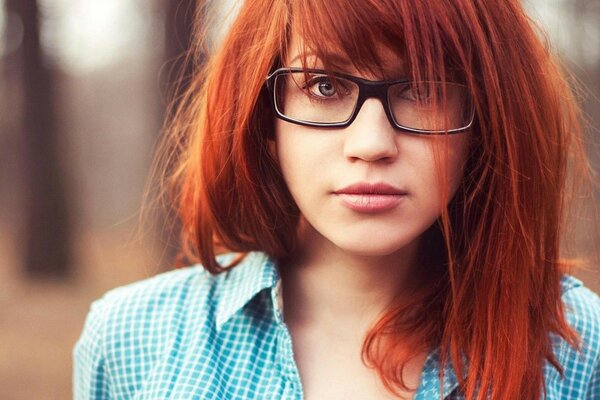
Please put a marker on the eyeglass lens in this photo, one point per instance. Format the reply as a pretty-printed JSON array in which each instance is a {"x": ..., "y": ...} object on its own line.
[{"x": 326, "y": 99}]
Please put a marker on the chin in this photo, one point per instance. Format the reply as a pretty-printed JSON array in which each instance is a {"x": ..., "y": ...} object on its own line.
[{"x": 375, "y": 247}]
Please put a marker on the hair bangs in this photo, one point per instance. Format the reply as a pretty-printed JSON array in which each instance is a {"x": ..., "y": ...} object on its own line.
[{"x": 337, "y": 35}]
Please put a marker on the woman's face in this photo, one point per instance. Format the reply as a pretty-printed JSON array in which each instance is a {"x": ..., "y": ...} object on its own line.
[{"x": 368, "y": 188}]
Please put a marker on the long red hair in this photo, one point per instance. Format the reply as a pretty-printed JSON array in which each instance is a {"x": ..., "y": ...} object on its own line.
[{"x": 493, "y": 295}]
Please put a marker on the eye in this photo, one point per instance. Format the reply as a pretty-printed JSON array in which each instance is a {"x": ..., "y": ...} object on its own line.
[
  {"x": 327, "y": 87},
  {"x": 321, "y": 86},
  {"x": 418, "y": 92}
]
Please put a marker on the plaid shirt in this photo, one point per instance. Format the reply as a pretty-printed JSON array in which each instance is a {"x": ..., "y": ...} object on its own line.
[{"x": 186, "y": 334}]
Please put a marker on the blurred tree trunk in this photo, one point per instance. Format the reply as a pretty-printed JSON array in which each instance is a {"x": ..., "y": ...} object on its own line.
[
  {"x": 181, "y": 16},
  {"x": 47, "y": 230},
  {"x": 180, "y": 66}
]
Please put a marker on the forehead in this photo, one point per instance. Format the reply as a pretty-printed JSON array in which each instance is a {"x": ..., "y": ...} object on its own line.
[{"x": 388, "y": 65}]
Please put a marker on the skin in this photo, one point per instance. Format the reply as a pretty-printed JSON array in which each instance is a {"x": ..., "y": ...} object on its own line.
[{"x": 348, "y": 265}]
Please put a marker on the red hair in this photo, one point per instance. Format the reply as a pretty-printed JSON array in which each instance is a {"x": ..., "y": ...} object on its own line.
[{"x": 493, "y": 295}]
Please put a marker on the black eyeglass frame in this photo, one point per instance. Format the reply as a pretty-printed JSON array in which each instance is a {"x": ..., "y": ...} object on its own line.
[{"x": 366, "y": 89}]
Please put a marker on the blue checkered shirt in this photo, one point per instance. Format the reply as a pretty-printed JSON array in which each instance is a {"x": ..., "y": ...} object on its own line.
[{"x": 186, "y": 334}]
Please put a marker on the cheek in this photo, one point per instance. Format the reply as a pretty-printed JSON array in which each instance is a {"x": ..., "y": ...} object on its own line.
[
  {"x": 452, "y": 152},
  {"x": 438, "y": 166},
  {"x": 288, "y": 152},
  {"x": 293, "y": 162},
  {"x": 301, "y": 153}
]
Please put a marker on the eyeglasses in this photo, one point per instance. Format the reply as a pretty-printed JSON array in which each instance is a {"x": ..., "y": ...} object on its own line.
[{"x": 314, "y": 97}]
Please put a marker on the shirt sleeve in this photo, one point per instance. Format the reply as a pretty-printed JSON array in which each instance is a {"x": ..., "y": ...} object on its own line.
[{"x": 90, "y": 377}]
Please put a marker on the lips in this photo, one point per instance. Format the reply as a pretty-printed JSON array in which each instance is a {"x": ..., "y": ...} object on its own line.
[
  {"x": 370, "y": 197},
  {"x": 371, "y": 189}
]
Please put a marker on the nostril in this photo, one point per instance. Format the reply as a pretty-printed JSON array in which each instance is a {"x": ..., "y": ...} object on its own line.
[{"x": 371, "y": 142}]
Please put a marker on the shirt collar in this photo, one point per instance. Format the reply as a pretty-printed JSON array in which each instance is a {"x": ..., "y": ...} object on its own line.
[
  {"x": 430, "y": 379},
  {"x": 256, "y": 272},
  {"x": 568, "y": 282}
]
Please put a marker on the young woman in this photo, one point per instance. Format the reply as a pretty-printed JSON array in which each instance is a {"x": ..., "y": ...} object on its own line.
[{"x": 390, "y": 179}]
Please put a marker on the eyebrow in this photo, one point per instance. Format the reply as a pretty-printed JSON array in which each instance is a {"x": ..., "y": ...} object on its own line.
[
  {"x": 334, "y": 58},
  {"x": 346, "y": 65}
]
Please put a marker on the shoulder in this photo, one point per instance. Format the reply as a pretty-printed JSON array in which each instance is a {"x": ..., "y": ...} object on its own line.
[
  {"x": 152, "y": 301},
  {"x": 159, "y": 293},
  {"x": 581, "y": 366},
  {"x": 129, "y": 328},
  {"x": 582, "y": 309},
  {"x": 160, "y": 301}
]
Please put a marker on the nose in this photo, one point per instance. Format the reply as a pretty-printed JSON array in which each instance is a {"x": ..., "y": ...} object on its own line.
[{"x": 371, "y": 137}]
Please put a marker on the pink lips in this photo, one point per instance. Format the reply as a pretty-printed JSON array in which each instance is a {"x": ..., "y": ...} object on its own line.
[{"x": 370, "y": 197}]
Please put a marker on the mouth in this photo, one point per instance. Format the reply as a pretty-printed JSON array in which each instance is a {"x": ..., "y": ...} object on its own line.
[
  {"x": 370, "y": 197},
  {"x": 364, "y": 188}
]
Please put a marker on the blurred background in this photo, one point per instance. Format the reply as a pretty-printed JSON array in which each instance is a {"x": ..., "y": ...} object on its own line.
[{"x": 84, "y": 87}]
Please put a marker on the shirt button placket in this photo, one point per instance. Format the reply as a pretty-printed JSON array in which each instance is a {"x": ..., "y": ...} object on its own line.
[{"x": 291, "y": 376}]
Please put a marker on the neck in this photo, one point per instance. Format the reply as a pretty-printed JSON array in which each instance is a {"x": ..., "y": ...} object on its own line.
[{"x": 327, "y": 286}]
